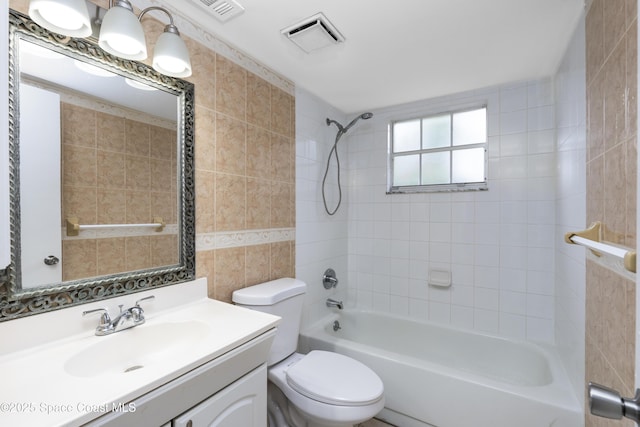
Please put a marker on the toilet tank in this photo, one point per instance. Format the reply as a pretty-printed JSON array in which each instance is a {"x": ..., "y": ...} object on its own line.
[{"x": 281, "y": 297}]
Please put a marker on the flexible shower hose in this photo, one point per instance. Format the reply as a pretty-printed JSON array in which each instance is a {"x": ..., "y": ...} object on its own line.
[{"x": 334, "y": 149}]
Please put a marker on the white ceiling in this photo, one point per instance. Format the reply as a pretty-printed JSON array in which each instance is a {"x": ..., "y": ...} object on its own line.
[{"x": 398, "y": 51}]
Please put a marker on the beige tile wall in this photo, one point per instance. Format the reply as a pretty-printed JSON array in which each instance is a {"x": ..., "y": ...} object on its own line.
[
  {"x": 116, "y": 171},
  {"x": 245, "y": 170},
  {"x": 611, "y": 55}
]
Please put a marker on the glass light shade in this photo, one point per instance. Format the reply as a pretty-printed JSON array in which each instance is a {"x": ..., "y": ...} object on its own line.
[
  {"x": 66, "y": 17},
  {"x": 121, "y": 34},
  {"x": 170, "y": 56}
]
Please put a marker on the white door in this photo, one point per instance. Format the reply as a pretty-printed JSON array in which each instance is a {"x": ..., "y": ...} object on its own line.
[{"x": 41, "y": 226}]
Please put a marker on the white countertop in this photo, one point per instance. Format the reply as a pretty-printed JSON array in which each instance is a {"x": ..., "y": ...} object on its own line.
[{"x": 38, "y": 390}]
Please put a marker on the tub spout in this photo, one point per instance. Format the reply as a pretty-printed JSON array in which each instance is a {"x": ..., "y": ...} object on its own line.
[{"x": 333, "y": 303}]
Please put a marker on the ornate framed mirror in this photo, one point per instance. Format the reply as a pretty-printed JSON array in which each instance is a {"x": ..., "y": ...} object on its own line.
[{"x": 102, "y": 193}]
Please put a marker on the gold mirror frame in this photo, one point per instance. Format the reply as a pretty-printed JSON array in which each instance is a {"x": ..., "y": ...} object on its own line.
[{"x": 16, "y": 302}]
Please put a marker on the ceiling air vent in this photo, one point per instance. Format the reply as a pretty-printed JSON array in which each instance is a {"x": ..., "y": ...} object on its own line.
[
  {"x": 313, "y": 33},
  {"x": 223, "y": 10}
]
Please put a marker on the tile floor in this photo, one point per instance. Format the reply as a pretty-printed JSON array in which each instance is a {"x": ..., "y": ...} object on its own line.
[{"x": 374, "y": 423}]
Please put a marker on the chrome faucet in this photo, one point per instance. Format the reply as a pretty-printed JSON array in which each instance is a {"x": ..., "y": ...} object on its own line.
[
  {"x": 333, "y": 303},
  {"x": 126, "y": 319}
]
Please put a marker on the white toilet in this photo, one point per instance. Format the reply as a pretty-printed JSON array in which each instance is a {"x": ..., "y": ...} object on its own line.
[{"x": 317, "y": 389}]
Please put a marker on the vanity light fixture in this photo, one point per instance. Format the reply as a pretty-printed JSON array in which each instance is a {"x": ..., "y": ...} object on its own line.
[
  {"x": 66, "y": 17},
  {"x": 121, "y": 34}
]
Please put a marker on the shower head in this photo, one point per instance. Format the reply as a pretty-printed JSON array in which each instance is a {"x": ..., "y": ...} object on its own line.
[
  {"x": 344, "y": 129},
  {"x": 365, "y": 116}
]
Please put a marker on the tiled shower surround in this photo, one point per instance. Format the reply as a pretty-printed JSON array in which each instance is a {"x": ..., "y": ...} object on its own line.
[
  {"x": 383, "y": 245},
  {"x": 497, "y": 244},
  {"x": 570, "y": 89}
]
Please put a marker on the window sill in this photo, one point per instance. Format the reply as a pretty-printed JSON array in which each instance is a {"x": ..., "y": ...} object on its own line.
[{"x": 440, "y": 188}]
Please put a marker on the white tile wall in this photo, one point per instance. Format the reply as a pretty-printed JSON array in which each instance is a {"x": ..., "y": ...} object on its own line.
[
  {"x": 511, "y": 272},
  {"x": 321, "y": 240},
  {"x": 498, "y": 245},
  {"x": 571, "y": 209}
]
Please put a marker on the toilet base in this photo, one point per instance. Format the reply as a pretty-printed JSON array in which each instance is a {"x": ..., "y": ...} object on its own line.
[{"x": 282, "y": 413}]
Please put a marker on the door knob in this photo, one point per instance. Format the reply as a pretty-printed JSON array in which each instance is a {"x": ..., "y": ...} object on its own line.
[
  {"x": 51, "y": 260},
  {"x": 607, "y": 403}
]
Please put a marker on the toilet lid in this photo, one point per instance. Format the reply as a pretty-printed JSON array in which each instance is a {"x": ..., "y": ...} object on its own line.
[{"x": 335, "y": 379}]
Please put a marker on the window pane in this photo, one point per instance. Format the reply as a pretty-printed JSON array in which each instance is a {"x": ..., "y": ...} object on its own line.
[
  {"x": 436, "y": 132},
  {"x": 435, "y": 168},
  {"x": 406, "y": 170},
  {"x": 468, "y": 165},
  {"x": 470, "y": 127},
  {"x": 406, "y": 136}
]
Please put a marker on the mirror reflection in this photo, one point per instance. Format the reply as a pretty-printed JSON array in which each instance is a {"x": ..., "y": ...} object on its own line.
[
  {"x": 96, "y": 149},
  {"x": 101, "y": 174}
]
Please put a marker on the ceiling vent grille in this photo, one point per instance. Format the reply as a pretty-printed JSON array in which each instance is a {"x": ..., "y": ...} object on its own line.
[
  {"x": 313, "y": 33},
  {"x": 222, "y": 10}
]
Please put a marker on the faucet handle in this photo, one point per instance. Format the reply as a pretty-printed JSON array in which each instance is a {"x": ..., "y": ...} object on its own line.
[
  {"x": 144, "y": 299},
  {"x": 138, "y": 312},
  {"x": 105, "y": 320}
]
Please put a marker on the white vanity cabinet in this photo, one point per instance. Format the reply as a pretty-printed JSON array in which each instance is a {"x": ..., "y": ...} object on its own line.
[
  {"x": 229, "y": 391},
  {"x": 242, "y": 403}
]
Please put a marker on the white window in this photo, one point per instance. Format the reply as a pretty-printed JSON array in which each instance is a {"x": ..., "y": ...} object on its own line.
[{"x": 442, "y": 152}]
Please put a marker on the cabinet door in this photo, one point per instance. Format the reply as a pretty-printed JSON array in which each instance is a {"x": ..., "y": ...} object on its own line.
[{"x": 242, "y": 403}]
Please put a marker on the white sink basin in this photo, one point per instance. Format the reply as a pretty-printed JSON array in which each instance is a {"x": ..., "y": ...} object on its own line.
[{"x": 136, "y": 348}]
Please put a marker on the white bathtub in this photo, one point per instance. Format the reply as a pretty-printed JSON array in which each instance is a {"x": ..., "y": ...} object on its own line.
[{"x": 440, "y": 376}]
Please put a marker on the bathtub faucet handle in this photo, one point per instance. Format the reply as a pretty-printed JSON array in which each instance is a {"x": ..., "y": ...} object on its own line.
[
  {"x": 329, "y": 279},
  {"x": 333, "y": 303}
]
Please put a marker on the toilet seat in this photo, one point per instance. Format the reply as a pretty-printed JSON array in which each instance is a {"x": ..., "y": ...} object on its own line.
[
  {"x": 334, "y": 379},
  {"x": 314, "y": 409}
]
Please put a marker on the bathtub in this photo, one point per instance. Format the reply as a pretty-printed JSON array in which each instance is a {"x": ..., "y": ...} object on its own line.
[{"x": 436, "y": 375}]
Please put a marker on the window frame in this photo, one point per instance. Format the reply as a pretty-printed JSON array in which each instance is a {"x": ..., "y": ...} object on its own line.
[{"x": 432, "y": 188}]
